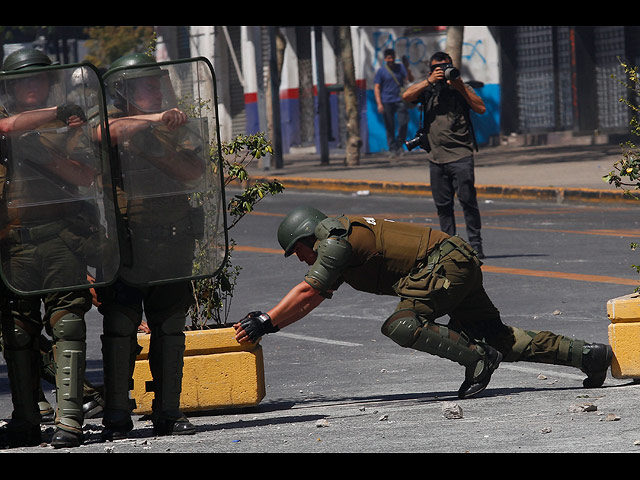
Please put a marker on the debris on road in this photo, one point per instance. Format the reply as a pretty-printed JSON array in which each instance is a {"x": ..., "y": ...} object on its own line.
[{"x": 452, "y": 410}]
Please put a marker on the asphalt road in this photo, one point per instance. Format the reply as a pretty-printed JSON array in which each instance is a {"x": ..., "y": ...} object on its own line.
[{"x": 336, "y": 384}]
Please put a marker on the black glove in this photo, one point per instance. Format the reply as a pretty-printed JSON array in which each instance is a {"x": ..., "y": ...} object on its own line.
[
  {"x": 257, "y": 324},
  {"x": 69, "y": 110}
]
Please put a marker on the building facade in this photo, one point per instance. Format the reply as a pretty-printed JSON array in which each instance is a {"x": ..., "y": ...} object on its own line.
[{"x": 534, "y": 80}]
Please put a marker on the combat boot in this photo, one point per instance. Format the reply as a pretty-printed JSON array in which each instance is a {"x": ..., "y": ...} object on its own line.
[
  {"x": 22, "y": 359},
  {"x": 66, "y": 438},
  {"x": 92, "y": 402},
  {"x": 596, "y": 360},
  {"x": 69, "y": 352},
  {"x": 480, "y": 360},
  {"x": 171, "y": 423},
  {"x": 117, "y": 425},
  {"x": 18, "y": 433},
  {"x": 478, "y": 376},
  {"x": 119, "y": 350},
  {"x": 166, "y": 352}
]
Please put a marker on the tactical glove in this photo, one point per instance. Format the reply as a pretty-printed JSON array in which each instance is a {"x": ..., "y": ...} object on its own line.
[
  {"x": 69, "y": 110},
  {"x": 256, "y": 324}
]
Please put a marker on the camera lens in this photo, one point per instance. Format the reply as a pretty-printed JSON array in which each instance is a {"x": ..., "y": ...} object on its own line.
[
  {"x": 451, "y": 73},
  {"x": 414, "y": 142}
]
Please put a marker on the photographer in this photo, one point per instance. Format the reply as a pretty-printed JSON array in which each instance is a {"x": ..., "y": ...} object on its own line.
[{"x": 447, "y": 133}]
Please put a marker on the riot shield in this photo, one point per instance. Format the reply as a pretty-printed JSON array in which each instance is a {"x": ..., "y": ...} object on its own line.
[
  {"x": 57, "y": 214},
  {"x": 171, "y": 175}
]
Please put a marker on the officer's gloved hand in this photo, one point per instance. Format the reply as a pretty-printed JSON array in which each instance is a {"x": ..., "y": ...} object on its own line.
[
  {"x": 64, "y": 112},
  {"x": 256, "y": 324}
]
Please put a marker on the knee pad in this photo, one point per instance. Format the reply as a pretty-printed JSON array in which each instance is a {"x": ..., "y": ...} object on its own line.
[
  {"x": 16, "y": 337},
  {"x": 173, "y": 325},
  {"x": 120, "y": 323},
  {"x": 69, "y": 326},
  {"x": 405, "y": 328},
  {"x": 402, "y": 327}
]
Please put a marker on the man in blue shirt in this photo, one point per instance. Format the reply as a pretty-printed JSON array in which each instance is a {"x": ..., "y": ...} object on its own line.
[{"x": 387, "y": 88}]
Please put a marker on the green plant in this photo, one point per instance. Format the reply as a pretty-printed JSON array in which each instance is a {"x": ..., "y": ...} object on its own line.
[
  {"x": 626, "y": 171},
  {"x": 212, "y": 296}
]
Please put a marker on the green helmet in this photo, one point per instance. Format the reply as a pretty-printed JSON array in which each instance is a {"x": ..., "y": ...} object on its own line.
[
  {"x": 131, "y": 67},
  {"x": 299, "y": 223},
  {"x": 25, "y": 58},
  {"x": 133, "y": 60}
]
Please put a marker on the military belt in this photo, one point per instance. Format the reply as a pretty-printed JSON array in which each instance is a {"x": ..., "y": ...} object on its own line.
[{"x": 21, "y": 234}]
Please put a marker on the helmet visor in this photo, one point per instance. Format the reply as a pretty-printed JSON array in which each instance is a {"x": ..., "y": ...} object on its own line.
[{"x": 143, "y": 90}]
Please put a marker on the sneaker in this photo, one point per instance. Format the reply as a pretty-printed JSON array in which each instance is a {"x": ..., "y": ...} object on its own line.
[
  {"x": 596, "y": 360},
  {"x": 477, "y": 382}
]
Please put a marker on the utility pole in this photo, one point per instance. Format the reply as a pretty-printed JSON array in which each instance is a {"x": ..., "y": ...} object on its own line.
[
  {"x": 274, "y": 79},
  {"x": 323, "y": 100}
]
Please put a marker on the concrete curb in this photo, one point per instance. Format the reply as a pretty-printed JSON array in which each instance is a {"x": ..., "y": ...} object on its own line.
[
  {"x": 556, "y": 194},
  {"x": 218, "y": 372},
  {"x": 624, "y": 335}
]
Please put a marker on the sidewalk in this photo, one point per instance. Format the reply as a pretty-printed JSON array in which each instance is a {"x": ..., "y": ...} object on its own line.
[{"x": 558, "y": 172}]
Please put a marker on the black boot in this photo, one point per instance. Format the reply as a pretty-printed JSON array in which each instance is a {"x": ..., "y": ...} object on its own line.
[
  {"x": 46, "y": 412},
  {"x": 479, "y": 376},
  {"x": 596, "y": 360},
  {"x": 20, "y": 434},
  {"x": 117, "y": 425},
  {"x": 93, "y": 401},
  {"x": 172, "y": 424},
  {"x": 66, "y": 438},
  {"x": 479, "y": 250}
]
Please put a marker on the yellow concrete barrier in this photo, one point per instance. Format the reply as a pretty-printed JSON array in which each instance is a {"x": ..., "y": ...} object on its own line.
[
  {"x": 218, "y": 372},
  {"x": 624, "y": 335}
]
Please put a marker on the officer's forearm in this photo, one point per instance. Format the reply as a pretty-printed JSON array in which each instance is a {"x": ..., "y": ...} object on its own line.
[
  {"x": 300, "y": 300},
  {"x": 27, "y": 120}
]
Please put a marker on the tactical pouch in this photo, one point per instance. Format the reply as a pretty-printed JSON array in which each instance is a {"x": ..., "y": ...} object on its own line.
[
  {"x": 421, "y": 283},
  {"x": 428, "y": 278}
]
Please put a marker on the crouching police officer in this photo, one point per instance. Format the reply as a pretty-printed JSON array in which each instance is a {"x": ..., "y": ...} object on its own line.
[{"x": 434, "y": 274}]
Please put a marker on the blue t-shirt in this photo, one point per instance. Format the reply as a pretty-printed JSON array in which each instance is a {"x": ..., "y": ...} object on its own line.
[{"x": 389, "y": 89}]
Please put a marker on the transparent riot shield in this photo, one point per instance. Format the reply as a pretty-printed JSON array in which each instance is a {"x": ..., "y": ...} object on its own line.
[
  {"x": 57, "y": 213},
  {"x": 164, "y": 123}
]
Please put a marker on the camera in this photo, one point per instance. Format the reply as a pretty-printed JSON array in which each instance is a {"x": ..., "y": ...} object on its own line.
[
  {"x": 420, "y": 140},
  {"x": 450, "y": 72}
]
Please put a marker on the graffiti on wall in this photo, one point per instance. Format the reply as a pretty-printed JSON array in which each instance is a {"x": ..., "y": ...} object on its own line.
[
  {"x": 479, "y": 54},
  {"x": 418, "y": 50}
]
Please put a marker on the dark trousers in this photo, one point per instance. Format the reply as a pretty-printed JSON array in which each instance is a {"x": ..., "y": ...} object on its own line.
[
  {"x": 456, "y": 178},
  {"x": 390, "y": 109}
]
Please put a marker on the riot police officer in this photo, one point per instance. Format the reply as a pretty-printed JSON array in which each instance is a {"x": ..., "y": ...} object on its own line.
[
  {"x": 434, "y": 274},
  {"x": 144, "y": 126},
  {"x": 35, "y": 255}
]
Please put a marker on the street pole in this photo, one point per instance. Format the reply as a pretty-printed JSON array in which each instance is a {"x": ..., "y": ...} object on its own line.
[
  {"x": 275, "y": 98},
  {"x": 323, "y": 100}
]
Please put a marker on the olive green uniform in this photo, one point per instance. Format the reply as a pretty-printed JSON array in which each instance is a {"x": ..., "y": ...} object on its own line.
[
  {"x": 37, "y": 254},
  {"x": 162, "y": 240},
  {"x": 434, "y": 275}
]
